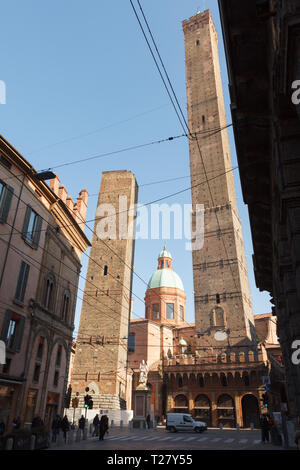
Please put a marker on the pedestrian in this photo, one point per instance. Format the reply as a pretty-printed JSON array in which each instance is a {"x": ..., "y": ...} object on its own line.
[
  {"x": 16, "y": 423},
  {"x": 103, "y": 427},
  {"x": 96, "y": 422},
  {"x": 65, "y": 426},
  {"x": 37, "y": 422},
  {"x": 81, "y": 423},
  {"x": 265, "y": 426},
  {"x": 148, "y": 419},
  {"x": 55, "y": 427}
]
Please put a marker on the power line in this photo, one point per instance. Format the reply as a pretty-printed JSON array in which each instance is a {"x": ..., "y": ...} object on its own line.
[
  {"x": 157, "y": 66},
  {"x": 115, "y": 152},
  {"x": 163, "y": 66},
  {"x": 109, "y": 126}
]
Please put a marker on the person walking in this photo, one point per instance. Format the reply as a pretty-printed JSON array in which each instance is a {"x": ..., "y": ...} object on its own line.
[
  {"x": 265, "y": 427},
  {"x": 55, "y": 427},
  {"x": 96, "y": 422},
  {"x": 65, "y": 426},
  {"x": 81, "y": 423},
  {"x": 103, "y": 427},
  {"x": 37, "y": 422},
  {"x": 148, "y": 419}
]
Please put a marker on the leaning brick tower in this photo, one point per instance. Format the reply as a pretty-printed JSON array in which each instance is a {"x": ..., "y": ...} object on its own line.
[
  {"x": 100, "y": 361},
  {"x": 221, "y": 286}
]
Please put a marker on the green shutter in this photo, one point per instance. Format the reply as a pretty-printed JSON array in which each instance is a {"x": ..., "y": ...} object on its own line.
[
  {"x": 4, "y": 210},
  {"x": 19, "y": 337},
  {"x": 37, "y": 232},
  {"x": 25, "y": 278},
  {"x": 22, "y": 281}
]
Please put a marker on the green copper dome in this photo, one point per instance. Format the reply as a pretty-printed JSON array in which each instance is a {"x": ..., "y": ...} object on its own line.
[{"x": 165, "y": 278}]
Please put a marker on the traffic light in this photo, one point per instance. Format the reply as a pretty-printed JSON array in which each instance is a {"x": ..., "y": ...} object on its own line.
[
  {"x": 265, "y": 399},
  {"x": 88, "y": 402}
]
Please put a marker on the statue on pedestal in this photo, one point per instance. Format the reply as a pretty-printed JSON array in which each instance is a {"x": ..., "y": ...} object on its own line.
[{"x": 144, "y": 369}]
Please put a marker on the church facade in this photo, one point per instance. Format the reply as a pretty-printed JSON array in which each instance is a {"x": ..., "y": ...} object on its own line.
[{"x": 226, "y": 386}]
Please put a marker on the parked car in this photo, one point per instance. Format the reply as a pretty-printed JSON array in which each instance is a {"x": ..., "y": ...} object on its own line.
[{"x": 184, "y": 422}]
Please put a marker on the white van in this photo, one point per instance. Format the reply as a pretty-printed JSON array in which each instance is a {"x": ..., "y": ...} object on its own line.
[{"x": 184, "y": 422}]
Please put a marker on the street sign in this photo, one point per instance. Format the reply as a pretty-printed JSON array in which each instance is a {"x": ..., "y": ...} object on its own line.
[
  {"x": 75, "y": 402},
  {"x": 266, "y": 380}
]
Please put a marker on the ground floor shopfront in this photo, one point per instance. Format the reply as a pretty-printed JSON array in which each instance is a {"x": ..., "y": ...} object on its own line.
[
  {"x": 214, "y": 400},
  {"x": 215, "y": 408},
  {"x": 18, "y": 401}
]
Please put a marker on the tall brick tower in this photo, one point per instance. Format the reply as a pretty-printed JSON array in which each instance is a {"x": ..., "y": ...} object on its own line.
[
  {"x": 100, "y": 361},
  {"x": 221, "y": 286}
]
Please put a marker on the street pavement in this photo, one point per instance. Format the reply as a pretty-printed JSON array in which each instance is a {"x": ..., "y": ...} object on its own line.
[{"x": 160, "y": 439}]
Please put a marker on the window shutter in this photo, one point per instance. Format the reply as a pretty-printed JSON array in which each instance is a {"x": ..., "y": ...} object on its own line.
[
  {"x": 5, "y": 325},
  {"x": 26, "y": 222},
  {"x": 24, "y": 278},
  {"x": 37, "y": 232},
  {"x": 9, "y": 190},
  {"x": 20, "y": 330},
  {"x": 18, "y": 294}
]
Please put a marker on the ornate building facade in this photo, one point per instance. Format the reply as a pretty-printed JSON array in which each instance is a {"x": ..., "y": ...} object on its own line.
[
  {"x": 42, "y": 239},
  {"x": 226, "y": 386}
]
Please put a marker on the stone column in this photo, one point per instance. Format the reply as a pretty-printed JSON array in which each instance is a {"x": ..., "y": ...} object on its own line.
[
  {"x": 238, "y": 411},
  {"x": 214, "y": 413},
  {"x": 191, "y": 402}
]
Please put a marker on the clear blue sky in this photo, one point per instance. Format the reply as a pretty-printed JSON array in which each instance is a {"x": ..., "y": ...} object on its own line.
[{"x": 80, "y": 82}]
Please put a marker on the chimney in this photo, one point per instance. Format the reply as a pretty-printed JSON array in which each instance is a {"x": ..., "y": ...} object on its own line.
[
  {"x": 54, "y": 184},
  {"x": 62, "y": 193},
  {"x": 82, "y": 204},
  {"x": 70, "y": 203}
]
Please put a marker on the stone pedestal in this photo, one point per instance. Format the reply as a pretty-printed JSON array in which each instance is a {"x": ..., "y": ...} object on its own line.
[{"x": 141, "y": 406}]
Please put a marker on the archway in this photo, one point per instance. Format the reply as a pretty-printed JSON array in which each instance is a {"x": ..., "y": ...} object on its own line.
[
  {"x": 181, "y": 404},
  {"x": 250, "y": 410},
  {"x": 202, "y": 409},
  {"x": 226, "y": 411}
]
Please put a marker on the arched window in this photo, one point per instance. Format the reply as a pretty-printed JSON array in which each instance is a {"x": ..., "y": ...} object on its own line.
[
  {"x": 105, "y": 270},
  {"x": 65, "y": 306},
  {"x": 226, "y": 411},
  {"x": 202, "y": 409},
  {"x": 181, "y": 403},
  {"x": 217, "y": 318},
  {"x": 49, "y": 292},
  {"x": 223, "y": 380}
]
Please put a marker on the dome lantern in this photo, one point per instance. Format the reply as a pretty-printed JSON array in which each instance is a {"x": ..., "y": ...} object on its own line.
[{"x": 165, "y": 297}]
